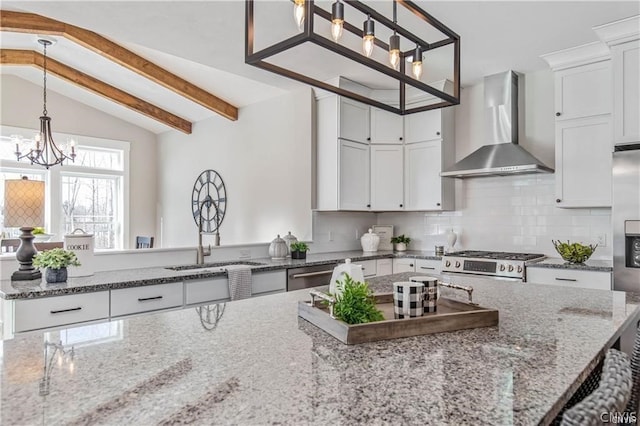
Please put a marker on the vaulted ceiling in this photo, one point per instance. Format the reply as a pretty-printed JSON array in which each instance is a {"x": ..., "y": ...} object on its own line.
[{"x": 203, "y": 42}]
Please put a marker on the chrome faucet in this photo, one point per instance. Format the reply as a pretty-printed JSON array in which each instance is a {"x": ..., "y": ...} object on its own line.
[{"x": 202, "y": 252}]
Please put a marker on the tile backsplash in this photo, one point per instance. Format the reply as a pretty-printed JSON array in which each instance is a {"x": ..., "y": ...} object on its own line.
[{"x": 508, "y": 213}]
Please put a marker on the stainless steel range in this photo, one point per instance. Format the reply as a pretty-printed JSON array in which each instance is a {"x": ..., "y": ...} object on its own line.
[{"x": 491, "y": 263}]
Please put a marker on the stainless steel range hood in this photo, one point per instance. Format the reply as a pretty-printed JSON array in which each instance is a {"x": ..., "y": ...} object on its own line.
[{"x": 502, "y": 155}]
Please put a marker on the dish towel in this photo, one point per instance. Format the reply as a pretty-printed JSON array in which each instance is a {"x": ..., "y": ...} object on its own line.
[{"x": 239, "y": 277}]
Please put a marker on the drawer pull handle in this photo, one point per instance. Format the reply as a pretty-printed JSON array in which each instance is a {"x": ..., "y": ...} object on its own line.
[
  {"x": 565, "y": 279},
  {"x": 312, "y": 274},
  {"x": 146, "y": 299},
  {"x": 427, "y": 267},
  {"x": 62, "y": 311}
]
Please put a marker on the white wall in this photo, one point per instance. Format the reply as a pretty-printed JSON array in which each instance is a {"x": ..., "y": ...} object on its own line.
[
  {"x": 264, "y": 159},
  {"x": 509, "y": 213},
  {"x": 21, "y": 105}
]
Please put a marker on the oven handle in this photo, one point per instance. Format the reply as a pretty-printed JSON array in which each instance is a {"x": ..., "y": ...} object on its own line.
[{"x": 312, "y": 274}]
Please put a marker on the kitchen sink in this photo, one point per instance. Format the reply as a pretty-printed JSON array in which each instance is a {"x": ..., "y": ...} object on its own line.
[{"x": 213, "y": 265}]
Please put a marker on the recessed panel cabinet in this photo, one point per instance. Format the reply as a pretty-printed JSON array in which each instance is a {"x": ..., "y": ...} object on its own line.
[
  {"x": 386, "y": 177},
  {"x": 386, "y": 127},
  {"x": 626, "y": 89},
  {"x": 583, "y": 91},
  {"x": 353, "y": 121},
  {"x": 353, "y": 188},
  {"x": 423, "y": 126},
  {"x": 424, "y": 187}
]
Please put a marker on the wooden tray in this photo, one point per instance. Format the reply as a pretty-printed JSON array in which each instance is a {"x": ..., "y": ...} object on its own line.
[{"x": 451, "y": 315}]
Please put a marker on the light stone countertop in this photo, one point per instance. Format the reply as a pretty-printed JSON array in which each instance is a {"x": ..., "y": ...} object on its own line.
[
  {"x": 559, "y": 263},
  {"x": 126, "y": 278},
  {"x": 261, "y": 364}
]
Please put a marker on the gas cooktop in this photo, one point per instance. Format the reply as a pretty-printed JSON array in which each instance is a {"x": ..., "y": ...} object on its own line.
[{"x": 489, "y": 263}]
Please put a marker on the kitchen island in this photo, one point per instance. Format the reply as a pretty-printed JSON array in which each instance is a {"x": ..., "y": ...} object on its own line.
[{"x": 255, "y": 362}]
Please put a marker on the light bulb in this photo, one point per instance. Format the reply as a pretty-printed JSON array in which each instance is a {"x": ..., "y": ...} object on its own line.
[
  {"x": 416, "y": 64},
  {"x": 337, "y": 20},
  {"x": 368, "y": 37},
  {"x": 394, "y": 50},
  {"x": 298, "y": 13}
]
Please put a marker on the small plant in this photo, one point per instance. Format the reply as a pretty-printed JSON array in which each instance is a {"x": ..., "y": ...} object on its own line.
[
  {"x": 38, "y": 230},
  {"x": 55, "y": 259},
  {"x": 574, "y": 252},
  {"x": 299, "y": 246},
  {"x": 356, "y": 304},
  {"x": 400, "y": 239}
]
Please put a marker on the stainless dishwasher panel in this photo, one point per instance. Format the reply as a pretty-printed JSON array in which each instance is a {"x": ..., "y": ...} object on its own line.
[{"x": 309, "y": 276}]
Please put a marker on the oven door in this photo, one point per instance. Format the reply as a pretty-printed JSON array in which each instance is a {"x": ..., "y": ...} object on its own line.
[
  {"x": 310, "y": 276},
  {"x": 485, "y": 276}
]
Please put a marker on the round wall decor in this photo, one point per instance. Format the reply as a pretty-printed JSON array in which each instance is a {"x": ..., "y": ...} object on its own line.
[{"x": 209, "y": 201}]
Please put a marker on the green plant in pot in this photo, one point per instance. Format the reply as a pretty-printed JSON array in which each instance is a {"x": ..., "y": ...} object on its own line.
[
  {"x": 400, "y": 242},
  {"x": 299, "y": 250},
  {"x": 56, "y": 262},
  {"x": 355, "y": 303}
]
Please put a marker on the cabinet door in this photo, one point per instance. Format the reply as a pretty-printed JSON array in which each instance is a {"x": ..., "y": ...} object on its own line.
[
  {"x": 386, "y": 127},
  {"x": 423, "y": 184},
  {"x": 386, "y": 177},
  {"x": 569, "y": 278},
  {"x": 626, "y": 92},
  {"x": 427, "y": 266},
  {"x": 354, "y": 176},
  {"x": 583, "y": 162},
  {"x": 135, "y": 300},
  {"x": 423, "y": 126},
  {"x": 583, "y": 91},
  {"x": 268, "y": 282},
  {"x": 369, "y": 267},
  {"x": 404, "y": 265},
  {"x": 384, "y": 267},
  {"x": 354, "y": 121},
  {"x": 206, "y": 290}
]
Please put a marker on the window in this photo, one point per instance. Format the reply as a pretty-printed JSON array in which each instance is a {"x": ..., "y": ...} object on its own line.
[{"x": 90, "y": 193}]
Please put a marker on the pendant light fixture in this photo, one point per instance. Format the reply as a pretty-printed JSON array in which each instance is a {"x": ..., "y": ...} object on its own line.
[
  {"x": 46, "y": 153},
  {"x": 298, "y": 13},
  {"x": 416, "y": 64},
  {"x": 337, "y": 20},
  {"x": 394, "y": 41},
  {"x": 368, "y": 36}
]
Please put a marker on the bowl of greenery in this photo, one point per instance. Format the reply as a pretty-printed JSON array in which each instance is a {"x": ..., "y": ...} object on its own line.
[
  {"x": 56, "y": 262},
  {"x": 355, "y": 303},
  {"x": 574, "y": 252},
  {"x": 400, "y": 242},
  {"x": 40, "y": 235},
  {"x": 299, "y": 250}
]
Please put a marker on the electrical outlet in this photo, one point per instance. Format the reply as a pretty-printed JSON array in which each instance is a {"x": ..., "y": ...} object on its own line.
[
  {"x": 245, "y": 254},
  {"x": 330, "y": 237},
  {"x": 357, "y": 234},
  {"x": 601, "y": 239}
]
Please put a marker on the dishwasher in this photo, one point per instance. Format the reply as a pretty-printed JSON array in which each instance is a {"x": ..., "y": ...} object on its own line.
[{"x": 309, "y": 276}]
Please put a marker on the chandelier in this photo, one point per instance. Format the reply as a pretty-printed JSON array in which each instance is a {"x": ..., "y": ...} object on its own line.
[
  {"x": 398, "y": 59},
  {"x": 45, "y": 153}
]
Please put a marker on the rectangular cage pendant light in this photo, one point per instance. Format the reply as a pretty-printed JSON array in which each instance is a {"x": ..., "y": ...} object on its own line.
[{"x": 316, "y": 27}]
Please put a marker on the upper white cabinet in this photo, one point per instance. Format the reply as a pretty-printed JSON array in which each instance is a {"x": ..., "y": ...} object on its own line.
[
  {"x": 583, "y": 162},
  {"x": 353, "y": 122},
  {"x": 353, "y": 188},
  {"x": 387, "y": 177},
  {"x": 424, "y": 188},
  {"x": 626, "y": 92},
  {"x": 386, "y": 127},
  {"x": 583, "y": 91},
  {"x": 424, "y": 126}
]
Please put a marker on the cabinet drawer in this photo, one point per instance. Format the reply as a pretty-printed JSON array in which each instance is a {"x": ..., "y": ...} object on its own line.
[
  {"x": 128, "y": 301},
  {"x": 570, "y": 278},
  {"x": 428, "y": 266},
  {"x": 369, "y": 268},
  {"x": 206, "y": 290},
  {"x": 60, "y": 310},
  {"x": 384, "y": 267},
  {"x": 268, "y": 282},
  {"x": 404, "y": 265}
]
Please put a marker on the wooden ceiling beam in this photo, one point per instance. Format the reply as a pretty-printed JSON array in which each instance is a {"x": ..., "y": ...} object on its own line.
[
  {"x": 36, "y": 24},
  {"x": 32, "y": 58}
]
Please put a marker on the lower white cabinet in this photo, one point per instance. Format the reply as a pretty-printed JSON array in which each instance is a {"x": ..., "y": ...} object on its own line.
[
  {"x": 598, "y": 280},
  {"x": 127, "y": 301},
  {"x": 33, "y": 314},
  {"x": 384, "y": 267},
  {"x": 369, "y": 267},
  {"x": 404, "y": 265},
  {"x": 427, "y": 266},
  {"x": 268, "y": 282},
  {"x": 206, "y": 290}
]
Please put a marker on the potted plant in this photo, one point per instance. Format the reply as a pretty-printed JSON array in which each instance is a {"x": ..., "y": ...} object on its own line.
[
  {"x": 355, "y": 304},
  {"x": 299, "y": 250},
  {"x": 40, "y": 235},
  {"x": 400, "y": 242},
  {"x": 56, "y": 261}
]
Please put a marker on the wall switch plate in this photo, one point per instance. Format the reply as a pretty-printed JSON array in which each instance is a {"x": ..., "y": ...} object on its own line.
[
  {"x": 330, "y": 238},
  {"x": 245, "y": 254},
  {"x": 357, "y": 234},
  {"x": 601, "y": 240}
]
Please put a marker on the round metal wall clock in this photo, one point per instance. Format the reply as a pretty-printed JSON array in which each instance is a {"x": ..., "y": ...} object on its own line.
[{"x": 209, "y": 201}]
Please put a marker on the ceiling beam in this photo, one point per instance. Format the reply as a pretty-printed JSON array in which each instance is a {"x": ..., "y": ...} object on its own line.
[
  {"x": 36, "y": 24},
  {"x": 32, "y": 58}
]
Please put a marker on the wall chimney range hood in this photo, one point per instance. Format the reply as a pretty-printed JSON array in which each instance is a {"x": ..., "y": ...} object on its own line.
[{"x": 502, "y": 155}]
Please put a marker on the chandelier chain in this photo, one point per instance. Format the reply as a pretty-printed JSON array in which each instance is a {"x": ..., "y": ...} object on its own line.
[{"x": 44, "y": 96}]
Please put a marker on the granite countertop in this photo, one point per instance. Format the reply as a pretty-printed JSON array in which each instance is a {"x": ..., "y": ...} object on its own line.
[
  {"x": 125, "y": 278},
  {"x": 559, "y": 263},
  {"x": 261, "y": 364}
]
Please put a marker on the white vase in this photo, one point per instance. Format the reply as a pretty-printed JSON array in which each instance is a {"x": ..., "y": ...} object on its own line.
[
  {"x": 452, "y": 237},
  {"x": 370, "y": 241},
  {"x": 278, "y": 249}
]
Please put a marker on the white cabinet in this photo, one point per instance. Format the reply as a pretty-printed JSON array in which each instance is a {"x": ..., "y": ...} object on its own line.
[
  {"x": 369, "y": 267},
  {"x": 424, "y": 188},
  {"x": 268, "y": 282},
  {"x": 384, "y": 267},
  {"x": 47, "y": 312},
  {"x": 423, "y": 126},
  {"x": 387, "y": 177},
  {"x": 128, "y": 301},
  {"x": 597, "y": 280},
  {"x": 427, "y": 266},
  {"x": 583, "y": 162},
  {"x": 386, "y": 127},
  {"x": 206, "y": 290},
  {"x": 626, "y": 92},
  {"x": 353, "y": 189},
  {"x": 583, "y": 91},
  {"x": 353, "y": 121},
  {"x": 404, "y": 265}
]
